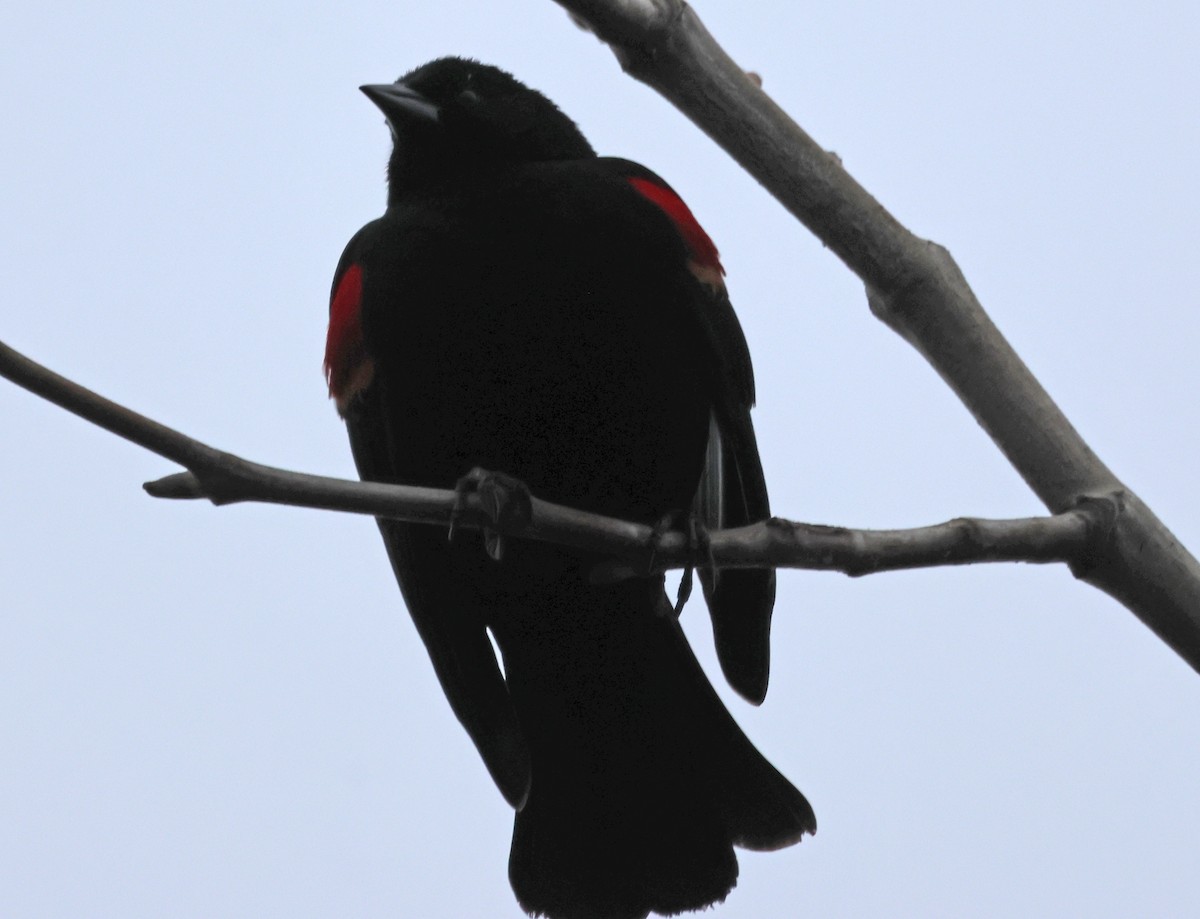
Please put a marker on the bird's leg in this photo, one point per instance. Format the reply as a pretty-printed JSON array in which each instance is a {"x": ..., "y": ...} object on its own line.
[
  {"x": 699, "y": 545},
  {"x": 504, "y": 499},
  {"x": 702, "y": 548}
]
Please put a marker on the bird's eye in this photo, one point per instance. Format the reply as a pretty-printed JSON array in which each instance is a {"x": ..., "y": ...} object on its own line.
[{"x": 469, "y": 98}]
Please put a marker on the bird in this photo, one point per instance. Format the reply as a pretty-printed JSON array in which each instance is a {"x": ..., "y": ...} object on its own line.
[{"x": 527, "y": 308}]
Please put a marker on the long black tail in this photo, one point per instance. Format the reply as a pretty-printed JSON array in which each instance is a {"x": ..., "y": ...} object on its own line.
[{"x": 642, "y": 783}]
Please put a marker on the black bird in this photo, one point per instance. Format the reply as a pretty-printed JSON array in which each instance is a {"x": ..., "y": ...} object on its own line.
[{"x": 526, "y": 306}]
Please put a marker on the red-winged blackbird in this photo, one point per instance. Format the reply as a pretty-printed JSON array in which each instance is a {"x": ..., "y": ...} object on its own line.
[{"x": 528, "y": 307}]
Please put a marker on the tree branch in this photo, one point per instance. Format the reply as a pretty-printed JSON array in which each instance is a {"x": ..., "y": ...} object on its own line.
[
  {"x": 1073, "y": 536},
  {"x": 915, "y": 287},
  {"x": 1103, "y": 530}
]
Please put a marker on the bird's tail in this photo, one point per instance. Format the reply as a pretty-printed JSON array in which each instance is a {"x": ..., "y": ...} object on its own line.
[{"x": 642, "y": 783}]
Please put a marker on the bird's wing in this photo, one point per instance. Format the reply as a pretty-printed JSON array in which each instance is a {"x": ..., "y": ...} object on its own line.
[
  {"x": 454, "y": 636},
  {"x": 733, "y": 490}
]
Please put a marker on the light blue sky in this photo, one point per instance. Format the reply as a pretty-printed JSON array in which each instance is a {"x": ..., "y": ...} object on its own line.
[{"x": 227, "y": 713}]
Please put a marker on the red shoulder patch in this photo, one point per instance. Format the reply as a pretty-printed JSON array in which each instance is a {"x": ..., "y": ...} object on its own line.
[
  {"x": 705, "y": 263},
  {"x": 348, "y": 367}
]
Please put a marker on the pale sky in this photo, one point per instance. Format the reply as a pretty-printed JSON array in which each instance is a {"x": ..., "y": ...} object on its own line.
[{"x": 227, "y": 712}]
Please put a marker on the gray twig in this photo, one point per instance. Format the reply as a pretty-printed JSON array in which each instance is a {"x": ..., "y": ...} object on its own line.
[{"x": 223, "y": 478}]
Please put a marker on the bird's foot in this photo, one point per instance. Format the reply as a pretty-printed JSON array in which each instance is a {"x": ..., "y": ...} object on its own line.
[
  {"x": 699, "y": 546},
  {"x": 505, "y": 501}
]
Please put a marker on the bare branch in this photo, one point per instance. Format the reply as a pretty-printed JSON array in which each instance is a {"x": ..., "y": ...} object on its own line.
[
  {"x": 223, "y": 478},
  {"x": 1067, "y": 537},
  {"x": 138, "y": 429},
  {"x": 915, "y": 287},
  {"x": 1110, "y": 538}
]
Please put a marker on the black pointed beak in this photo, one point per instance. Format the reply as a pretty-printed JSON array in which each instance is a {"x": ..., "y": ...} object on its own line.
[{"x": 399, "y": 104}]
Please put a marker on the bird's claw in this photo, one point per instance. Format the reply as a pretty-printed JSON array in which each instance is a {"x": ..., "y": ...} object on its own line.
[
  {"x": 505, "y": 501},
  {"x": 699, "y": 546}
]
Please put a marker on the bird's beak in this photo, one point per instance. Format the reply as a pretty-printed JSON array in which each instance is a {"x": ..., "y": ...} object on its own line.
[{"x": 400, "y": 104}]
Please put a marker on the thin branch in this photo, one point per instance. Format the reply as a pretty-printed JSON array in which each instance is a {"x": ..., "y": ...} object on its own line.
[
  {"x": 138, "y": 429},
  {"x": 912, "y": 284},
  {"x": 223, "y": 478},
  {"x": 1067, "y": 537},
  {"x": 915, "y": 287}
]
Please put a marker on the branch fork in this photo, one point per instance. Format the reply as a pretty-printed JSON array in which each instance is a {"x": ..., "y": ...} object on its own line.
[{"x": 1101, "y": 528}]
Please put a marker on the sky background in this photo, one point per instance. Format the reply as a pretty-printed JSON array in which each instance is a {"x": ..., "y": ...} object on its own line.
[{"x": 227, "y": 713}]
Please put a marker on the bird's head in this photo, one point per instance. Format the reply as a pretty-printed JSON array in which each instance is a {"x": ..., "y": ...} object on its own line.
[{"x": 453, "y": 117}]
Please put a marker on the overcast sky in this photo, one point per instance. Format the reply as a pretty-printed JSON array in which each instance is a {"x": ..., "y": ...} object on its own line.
[{"x": 227, "y": 713}]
